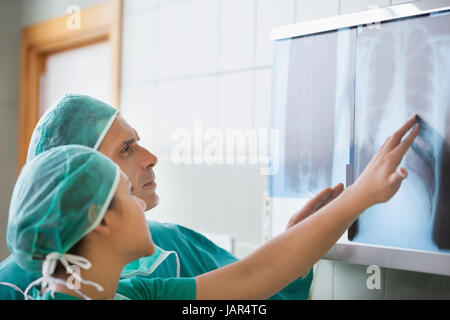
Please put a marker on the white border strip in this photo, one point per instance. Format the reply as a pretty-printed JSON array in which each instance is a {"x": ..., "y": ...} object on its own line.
[
  {"x": 359, "y": 18},
  {"x": 105, "y": 131},
  {"x": 107, "y": 202},
  {"x": 404, "y": 259}
]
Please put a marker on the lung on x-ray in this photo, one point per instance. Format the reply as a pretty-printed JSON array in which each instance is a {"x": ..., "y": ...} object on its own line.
[
  {"x": 403, "y": 68},
  {"x": 339, "y": 95}
]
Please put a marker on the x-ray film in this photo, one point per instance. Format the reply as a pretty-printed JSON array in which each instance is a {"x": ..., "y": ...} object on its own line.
[
  {"x": 403, "y": 68},
  {"x": 313, "y": 102},
  {"x": 338, "y": 95}
]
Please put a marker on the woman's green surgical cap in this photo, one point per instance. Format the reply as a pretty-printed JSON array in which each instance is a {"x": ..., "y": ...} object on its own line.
[
  {"x": 59, "y": 197},
  {"x": 74, "y": 119}
]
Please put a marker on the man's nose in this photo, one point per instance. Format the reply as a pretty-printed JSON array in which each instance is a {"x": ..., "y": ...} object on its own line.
[{"x": 149, "y": 159}]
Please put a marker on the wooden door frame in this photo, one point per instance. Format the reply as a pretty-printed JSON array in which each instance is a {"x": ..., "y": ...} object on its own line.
[{"x": 97, "y": 24}]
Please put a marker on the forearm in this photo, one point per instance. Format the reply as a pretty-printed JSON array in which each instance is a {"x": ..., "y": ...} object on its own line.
[
  {"x": 294, "y": 252},
  {"x": 284, "y": 258}
]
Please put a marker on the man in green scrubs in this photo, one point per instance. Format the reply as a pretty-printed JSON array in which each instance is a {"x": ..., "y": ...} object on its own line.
[{"x": 78, "y": 119}]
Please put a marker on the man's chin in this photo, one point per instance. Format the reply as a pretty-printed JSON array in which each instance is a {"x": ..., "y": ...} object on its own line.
[{"x": 152, "y": 201}]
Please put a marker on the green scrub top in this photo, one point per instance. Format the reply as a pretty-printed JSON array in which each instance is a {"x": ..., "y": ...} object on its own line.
[
  {"x": 56, "y": 296},
  {"x": 197, "y": 255},
  {"x": 138, "y": 288}
]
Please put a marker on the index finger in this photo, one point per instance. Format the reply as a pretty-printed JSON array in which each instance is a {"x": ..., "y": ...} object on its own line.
[
  {"x": 401, "y": 149},
  {"x": 396, "y": 138}
]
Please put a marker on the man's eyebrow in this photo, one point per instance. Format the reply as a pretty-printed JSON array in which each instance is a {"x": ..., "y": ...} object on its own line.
[{"x": 131, "y": 140}]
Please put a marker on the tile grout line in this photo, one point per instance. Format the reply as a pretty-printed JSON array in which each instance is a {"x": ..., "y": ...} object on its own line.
[
  {"x": 156, "y": 98},
  {"x": 295, "y": 10},
  {"x": 184, "y": 111},
  {"x": 255, "y": 26},
  {"x": 219, "y": 31},
  {"x": 194, "y": 76},
  {"x": 333, "y": 280}
]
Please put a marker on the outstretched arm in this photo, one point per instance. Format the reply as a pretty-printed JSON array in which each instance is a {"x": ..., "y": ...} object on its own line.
[{"x": 283, "y": 259}]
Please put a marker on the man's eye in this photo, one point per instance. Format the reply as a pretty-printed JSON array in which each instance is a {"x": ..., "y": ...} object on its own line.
[{"x": 126, "y": 149}]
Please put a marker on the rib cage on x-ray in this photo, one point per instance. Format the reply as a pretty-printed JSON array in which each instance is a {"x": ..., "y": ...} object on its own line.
[{"x": 403, "y": 68}]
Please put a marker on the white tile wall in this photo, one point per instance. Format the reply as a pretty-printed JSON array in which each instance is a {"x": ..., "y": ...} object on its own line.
[
  {"x": 211, "y": 198},
  {"x": 187, "y": 196},
  {"x": 163, "y": 3},
  {"x": 235, "y": 100},
  {"x": 357, "y": 5},
  {"x": 237, "y": 34},
  {"x": 138, "y": 107},
  {"x": 270, "y": 14},
  {"x": 170, "y": 108},
  {"x": 201, "y": 102},
  {"x": 172, "y": 40},
  {"x": 262, "y": 98},
  {"x": 202, "y": 36},
  {"x": 139, "y": 50},
  {"x": 394, "y": 2},
  {"x": 313, "y": 9},
  {"x": 133, "y": 6},
  {"x": 357, "y": 289},
  {"x": 322, "y": 285}
]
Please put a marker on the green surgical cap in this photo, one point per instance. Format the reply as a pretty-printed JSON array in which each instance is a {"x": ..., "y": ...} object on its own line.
[
  {"x": 74, "y": 119},
  {"x": 58, "y": 198}
]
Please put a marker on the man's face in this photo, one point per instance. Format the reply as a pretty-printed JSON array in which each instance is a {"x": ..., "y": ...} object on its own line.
[{"x": 121, "y": 145}]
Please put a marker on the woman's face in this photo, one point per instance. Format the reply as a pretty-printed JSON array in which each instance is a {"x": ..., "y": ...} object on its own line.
[{"x": 129, "y": 226}]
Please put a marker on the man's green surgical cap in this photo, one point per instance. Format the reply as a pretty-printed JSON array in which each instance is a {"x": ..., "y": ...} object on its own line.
[
  {"x": 59, "y": 197},
  {"x": 74, "y": 119}
]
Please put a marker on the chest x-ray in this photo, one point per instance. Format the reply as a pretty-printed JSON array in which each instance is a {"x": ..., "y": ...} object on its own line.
[
  {"x": 313, "y": 101},
  {"x": 338, "y": 95},
  {"x": 403, "y": 68}
]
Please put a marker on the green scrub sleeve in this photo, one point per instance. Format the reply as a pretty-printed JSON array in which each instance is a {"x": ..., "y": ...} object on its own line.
[{"x": 138, "y": 288}]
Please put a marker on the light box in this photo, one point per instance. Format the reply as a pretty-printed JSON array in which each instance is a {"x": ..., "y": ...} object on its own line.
[{"x": 340, "y": 87}]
